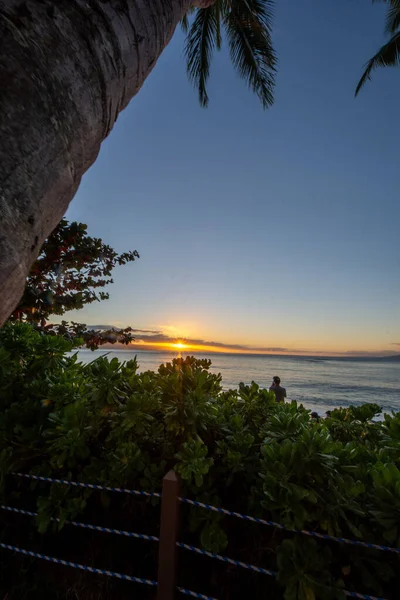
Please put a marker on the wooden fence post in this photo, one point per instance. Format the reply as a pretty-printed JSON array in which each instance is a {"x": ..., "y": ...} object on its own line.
[{"x": 167, "y": 552}]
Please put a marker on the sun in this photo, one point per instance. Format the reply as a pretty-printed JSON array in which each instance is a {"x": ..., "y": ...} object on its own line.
[{"x": 179, "y": 346}]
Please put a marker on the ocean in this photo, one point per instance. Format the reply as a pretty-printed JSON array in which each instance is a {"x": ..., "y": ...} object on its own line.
[{"x": 320, "y": 384}]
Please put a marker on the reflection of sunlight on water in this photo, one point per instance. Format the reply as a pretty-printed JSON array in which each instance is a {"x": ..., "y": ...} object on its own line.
[{"x": 320, "y": 385}]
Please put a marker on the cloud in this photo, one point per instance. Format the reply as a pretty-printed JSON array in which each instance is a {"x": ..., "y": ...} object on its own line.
[
  {"x": 163, "y": 338},
  {"x": 154, "y": 337},
  {"x": 158, "y": 337},
  {"x": 145, "y": 331},
  {"x": 367, "y": 353}
]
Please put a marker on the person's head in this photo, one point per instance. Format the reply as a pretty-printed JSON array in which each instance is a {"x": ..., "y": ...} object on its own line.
[
  {"x": 277, "y": 380},
  {"x": 328, "y": 413},
  {"x": 314, "y": 415}
]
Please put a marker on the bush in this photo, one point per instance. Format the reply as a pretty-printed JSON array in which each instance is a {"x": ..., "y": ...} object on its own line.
[{"x": 106, "y": 423}]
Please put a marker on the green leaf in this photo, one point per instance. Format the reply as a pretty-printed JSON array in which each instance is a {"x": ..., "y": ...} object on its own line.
[
  {"x": 308, "y": 593},
  {"x": 199, "y": 480},
  {"x": 387, "y": 56},
  {"x": 204, "y": 35},
  {"x": 248, "y": 29}
]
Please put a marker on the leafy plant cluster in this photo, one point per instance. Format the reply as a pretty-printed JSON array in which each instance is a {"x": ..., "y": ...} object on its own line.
[
  {"x": 105, "y": 422},
  {"x": 70, "y": 272},
  {"x": 247, "y": 27}
]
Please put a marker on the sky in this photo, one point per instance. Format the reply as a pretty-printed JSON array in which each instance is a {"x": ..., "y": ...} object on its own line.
[{"x": 274, "y": 230}]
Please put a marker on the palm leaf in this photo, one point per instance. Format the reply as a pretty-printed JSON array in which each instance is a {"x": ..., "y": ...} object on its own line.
[
  {"x": 248, "y": 28},
  {"x": 185, "y": 23},
  {"x": 387, "y": 56},
  {"x": 393, "y": 17},
  {"x": 204, "y": 35},
  {"x": 219, "y": 7},
  {"x": 185, "y": 20}
]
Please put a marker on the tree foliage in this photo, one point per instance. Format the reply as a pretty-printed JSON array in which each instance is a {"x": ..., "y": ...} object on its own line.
[
  {"x": 71, "y": 272},
  {"x": 389, "y": 54},
  {"x": 247, "y": 27},
  {"x": 105, "y": 422}
]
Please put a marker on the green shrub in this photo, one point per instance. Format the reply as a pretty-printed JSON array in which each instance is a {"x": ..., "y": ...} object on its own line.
[{"x": 106, "y": 423}]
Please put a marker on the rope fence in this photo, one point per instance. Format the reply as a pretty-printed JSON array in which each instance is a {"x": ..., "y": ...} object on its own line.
[
  {"x": 219, "y": 557},
  {"x": 168, "y": 542},
  {"x": 314, "y": 534},
  {"x": 217, "y": 509},
  {"x": 131, "y": 578}
]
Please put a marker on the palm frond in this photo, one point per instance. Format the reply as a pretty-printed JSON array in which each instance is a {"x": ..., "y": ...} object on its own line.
[
  {"x": 185, "y": 20},
  {"x": 393, "y": 17},
  {"x": 387, "y": 56},
  {"x": 185, "y": 23},
  {"x": 248, "y": 28},
  {"x": 204, "y": 35},
  {"x": 218, "y": 17}
]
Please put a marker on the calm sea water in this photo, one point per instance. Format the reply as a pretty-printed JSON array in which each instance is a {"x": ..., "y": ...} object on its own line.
[{"x": 318, "y": 383}]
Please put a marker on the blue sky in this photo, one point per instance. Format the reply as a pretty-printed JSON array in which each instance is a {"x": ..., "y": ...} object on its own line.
[{"x": 273, "y": 228}]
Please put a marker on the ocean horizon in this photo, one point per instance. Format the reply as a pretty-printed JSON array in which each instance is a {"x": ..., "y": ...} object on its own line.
[
  {"x": 175, "y": 352},
  {"x": 320, "y": 383}
]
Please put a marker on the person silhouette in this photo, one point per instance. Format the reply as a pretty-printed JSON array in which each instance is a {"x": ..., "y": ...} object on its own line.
[{"x": 279, "y": 391}]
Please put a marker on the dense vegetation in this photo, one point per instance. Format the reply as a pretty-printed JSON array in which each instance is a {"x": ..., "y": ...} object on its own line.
[{"x": 106, "y": 423}]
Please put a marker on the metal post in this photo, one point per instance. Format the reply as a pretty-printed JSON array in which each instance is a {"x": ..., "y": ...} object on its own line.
[{"x": 167, "y": 553}]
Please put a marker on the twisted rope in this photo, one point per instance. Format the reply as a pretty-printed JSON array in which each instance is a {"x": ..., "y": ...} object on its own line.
[
  {"x": 91, "y": 486},
  {"x": 140, "y": 536},
  {"x": 360, "y": 596},
  {"x": 194, "y": 594},
  {"x": 225, "y": 559},
  {"x": 313, "y": 534},
  {"x": 67, "y": 563}
]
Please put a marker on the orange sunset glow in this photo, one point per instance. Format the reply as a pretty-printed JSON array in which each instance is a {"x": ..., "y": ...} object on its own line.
[
  {"x": 267, "y": 338},
  {"x": 180, "y": 346},
  {"x": 188, "y": 347}
]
